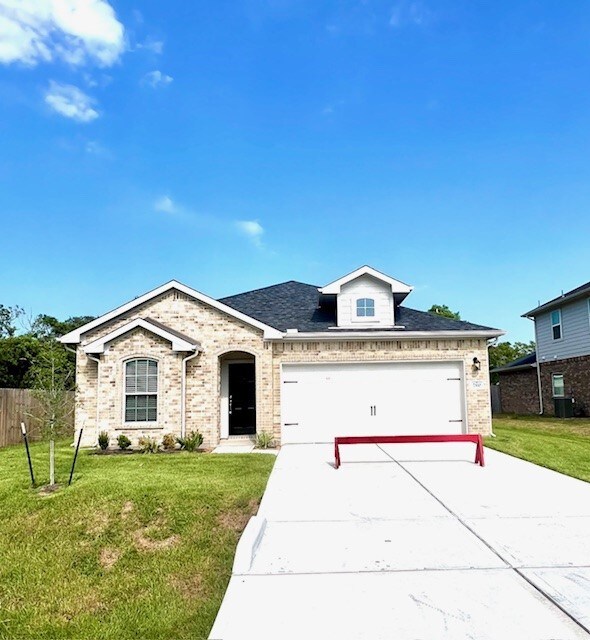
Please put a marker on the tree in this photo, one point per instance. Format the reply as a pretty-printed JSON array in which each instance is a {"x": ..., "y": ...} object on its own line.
[
  {"x": 45, "y": 326},
  {"x": 52, "y": 383},
  {"x": 17, "y": 355},
  {"x": 444, "y": 311},
  {"x": 503, "y": 353},
  {"x": 8, "y": 316}
]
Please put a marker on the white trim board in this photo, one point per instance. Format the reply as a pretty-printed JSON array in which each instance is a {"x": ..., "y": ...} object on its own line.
[
  {"x": 396, "y": 285},
  {"x": 178, "y": 344},
  {"x": 75, "y": 337}
]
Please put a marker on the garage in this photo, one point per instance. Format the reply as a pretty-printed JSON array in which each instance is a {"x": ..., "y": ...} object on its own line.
[{"x": 321, "y": 401}]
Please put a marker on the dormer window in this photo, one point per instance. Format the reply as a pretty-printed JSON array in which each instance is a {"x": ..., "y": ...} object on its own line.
[{"x": 365, "y": 308}]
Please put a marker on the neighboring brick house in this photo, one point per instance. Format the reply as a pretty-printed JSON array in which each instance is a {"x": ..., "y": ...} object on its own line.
[
  {"x": 561, "y": 366},
  {"x": 302, "y": 362},
  {"x": 519, "y": 390}
]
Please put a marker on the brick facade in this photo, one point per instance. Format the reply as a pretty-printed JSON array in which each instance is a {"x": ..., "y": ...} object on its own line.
[
  {"x": 477, "y": 389},
  {"x": 576, "y": 377},
  {"x": 100, "y": 393},
  {"x": 519, "y": 391}
]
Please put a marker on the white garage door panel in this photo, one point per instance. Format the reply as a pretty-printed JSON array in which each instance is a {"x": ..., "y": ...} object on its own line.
[{"x": 319, "y": 402}]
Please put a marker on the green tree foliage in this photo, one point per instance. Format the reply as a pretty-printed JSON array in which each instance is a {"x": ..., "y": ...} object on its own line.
[
  {"x": 8, "y": 318},
  {"x": 443, "y": 310},
  {"x": 24, "y": 357},
  {"x": 17, "y": 354},
  {"x": 505, "y": 352},
  {"x": 45, "y": 326}
]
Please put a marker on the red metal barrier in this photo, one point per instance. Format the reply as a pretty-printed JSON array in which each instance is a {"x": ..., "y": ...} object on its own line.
[{"x": 469, "y": 437}]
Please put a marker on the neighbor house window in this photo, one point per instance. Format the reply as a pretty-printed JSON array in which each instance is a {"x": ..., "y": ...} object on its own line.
[
  {"x": 365, "y": 308},
  {"x": 556, "y": 324},
  {"x": 558, "y": 386},
  {"x": 141, "y": 390}
]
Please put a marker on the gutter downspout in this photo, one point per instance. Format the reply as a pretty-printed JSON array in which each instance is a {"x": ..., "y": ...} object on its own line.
[
  {"x": 538, "y": 363},
  {"x": 491, "y": 343},
  {"x": 97, "y": 390},
  {"x": 183, "y": 394}
]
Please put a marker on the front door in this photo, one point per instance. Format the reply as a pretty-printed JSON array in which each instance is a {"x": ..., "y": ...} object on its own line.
[{"x": 242, "y": 398}]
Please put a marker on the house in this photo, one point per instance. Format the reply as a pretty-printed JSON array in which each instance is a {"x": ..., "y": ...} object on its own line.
[
  {"x": 562, "y": 367},
  {"x": 519, "y": 390},
  {"x": 305, "y": 363}
]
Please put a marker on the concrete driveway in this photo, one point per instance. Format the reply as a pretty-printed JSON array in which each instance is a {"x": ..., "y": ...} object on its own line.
[{"x": 412, "y": 541}]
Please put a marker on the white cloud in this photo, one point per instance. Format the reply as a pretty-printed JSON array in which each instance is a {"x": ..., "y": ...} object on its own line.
[
  {"x": 165, "y": 204},
  {"x": 155, "y": 46},
  {"x": 75, "y": 31},
  {"x": 157, "y": 79},
  {"x": 70, "y": 102},
  {"x": 252, "y": 229},
  {"x": 409, "y": 12}
]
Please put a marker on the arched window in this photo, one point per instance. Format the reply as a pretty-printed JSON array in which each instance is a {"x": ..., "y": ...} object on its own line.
[
  {"x": 365, "y": 308},
  {"x": 141, "y": 390}
]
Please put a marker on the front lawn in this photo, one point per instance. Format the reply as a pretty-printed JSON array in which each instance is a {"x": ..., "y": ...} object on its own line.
[
  {"x": 562, "y": 445},
  {"x": 138, "y": 547}
]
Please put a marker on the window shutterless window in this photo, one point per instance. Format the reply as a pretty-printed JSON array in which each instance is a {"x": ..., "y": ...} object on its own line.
[
  {"x": 556, "y": 324},
  {"x": 558, "y": 385},
  {"x": 141, "y": 390},
  {"x": 365, "y": 308}
]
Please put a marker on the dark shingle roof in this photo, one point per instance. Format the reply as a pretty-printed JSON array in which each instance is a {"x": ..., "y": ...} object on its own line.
[
  {"x": 524, "y": 362},
  {"x": 295, "y": 305},
  {"x": 578, "y": 292}
]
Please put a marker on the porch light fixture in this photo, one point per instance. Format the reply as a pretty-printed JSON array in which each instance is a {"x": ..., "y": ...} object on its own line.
[{"x": 476, "y": 364}]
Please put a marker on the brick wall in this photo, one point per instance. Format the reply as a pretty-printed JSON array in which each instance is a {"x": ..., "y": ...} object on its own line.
[
  {"x": 100, "y": 396},
  {"x": 576, "y": 377},
  {"x": 519, "y": 391},
  {"x": 477, "y": 389},
  {"x": 217, "y": 332}
]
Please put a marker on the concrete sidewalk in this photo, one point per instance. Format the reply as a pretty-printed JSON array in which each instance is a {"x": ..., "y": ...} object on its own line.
[{"x": 412, "y": 541}]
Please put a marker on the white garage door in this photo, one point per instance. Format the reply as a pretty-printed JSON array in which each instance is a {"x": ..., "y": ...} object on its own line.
[{"x": 319, "y": 402}]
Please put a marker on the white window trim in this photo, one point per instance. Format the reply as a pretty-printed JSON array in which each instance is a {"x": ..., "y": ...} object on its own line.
[
  {"x": 366, "y": 320},
  {"x": 558, "y": 324},
  {"x": 553, "y": 376},
  {"x": 365, "y": 301},
  {"x": 137, "y": 424}
]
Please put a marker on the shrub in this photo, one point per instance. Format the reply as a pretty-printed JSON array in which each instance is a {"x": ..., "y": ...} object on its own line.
[
  {"x": 148, "y": 445},
  {"x": 264, "y": 440},
  {"x": 103, "y": 440},
  {"x": 169, "y": 441},
  {"x": 191, "y": 442},
  {"x": 123, "y": 442}
]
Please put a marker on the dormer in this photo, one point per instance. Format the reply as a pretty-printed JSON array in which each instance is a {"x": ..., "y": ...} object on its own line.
[{"x": 366, "y": 299}]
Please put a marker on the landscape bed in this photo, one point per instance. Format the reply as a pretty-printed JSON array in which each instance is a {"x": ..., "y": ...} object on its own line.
[{"x": 139, "y": 546}]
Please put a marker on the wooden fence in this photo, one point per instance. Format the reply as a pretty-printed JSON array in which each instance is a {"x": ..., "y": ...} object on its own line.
[{"x": 16, "y": 405}]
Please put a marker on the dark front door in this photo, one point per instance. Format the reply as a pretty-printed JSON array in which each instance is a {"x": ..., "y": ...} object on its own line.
[{"x": 242, "y": 399}]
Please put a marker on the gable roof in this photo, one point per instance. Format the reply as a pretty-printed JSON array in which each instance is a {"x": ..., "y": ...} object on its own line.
[
  {"x": 74, "y": 337},
  {"x": 295, "y": 305},
  {"x": 179, "y": 341},
  {"x": 525, "y": 362},
  {"x": 579, "y": 292},
  {"x": 366, "y": 270}
]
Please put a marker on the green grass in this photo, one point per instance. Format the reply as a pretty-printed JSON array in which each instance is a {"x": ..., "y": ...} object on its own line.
[
  {"x": 562, "y": 445},
  {"x": 138, "y": 547}
]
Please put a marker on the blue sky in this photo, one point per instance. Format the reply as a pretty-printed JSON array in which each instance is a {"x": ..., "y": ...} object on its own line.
[{"x": 232, "y": 145}]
